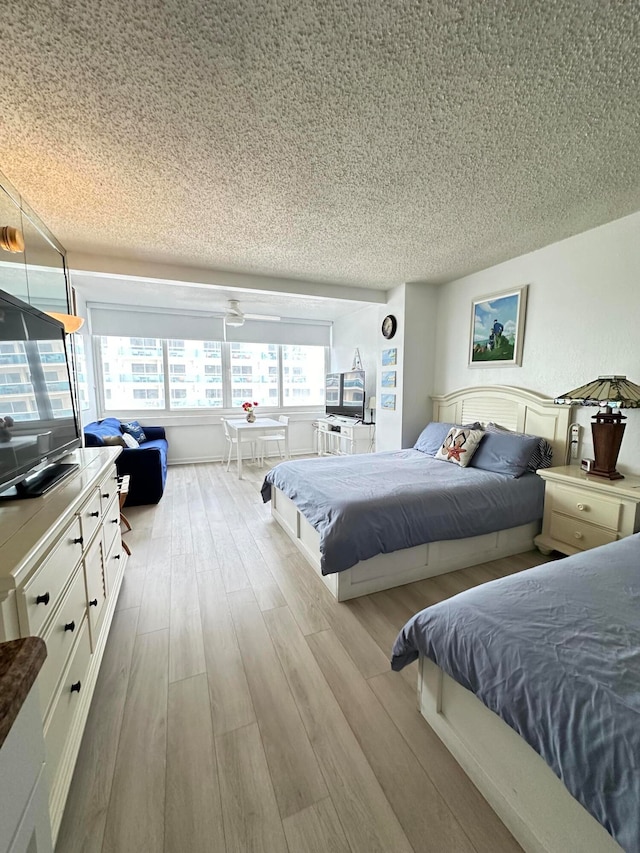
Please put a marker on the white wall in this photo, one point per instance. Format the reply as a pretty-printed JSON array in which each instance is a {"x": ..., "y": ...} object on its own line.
[
  {"x": 582, "y": 321},
  {"x": 357, "y": 330}
]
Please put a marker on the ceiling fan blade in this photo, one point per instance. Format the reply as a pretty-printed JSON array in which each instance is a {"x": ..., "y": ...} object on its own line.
[{"x": 267, "y": 317}]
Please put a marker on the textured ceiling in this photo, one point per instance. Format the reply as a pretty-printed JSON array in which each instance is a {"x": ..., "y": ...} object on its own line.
[{"x": 346, "y": 141}]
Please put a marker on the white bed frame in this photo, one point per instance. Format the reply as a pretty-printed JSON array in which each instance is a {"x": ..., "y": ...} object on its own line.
[
  {"x": 524, "y": 792},
  {"x": 514, "y": 408}
]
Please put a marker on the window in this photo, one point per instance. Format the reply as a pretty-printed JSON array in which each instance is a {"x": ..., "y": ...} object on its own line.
[
  {"x": 132, "y": 362},
  {"x": 250, "y": 375},
  {"x": 149, "y": 373},
  {"x": 303, "y": 375}
]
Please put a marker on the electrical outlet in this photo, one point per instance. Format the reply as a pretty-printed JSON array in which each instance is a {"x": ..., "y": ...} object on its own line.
[{"x": 575, "y": 441}]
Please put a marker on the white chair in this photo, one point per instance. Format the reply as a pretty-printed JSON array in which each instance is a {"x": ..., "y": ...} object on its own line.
[
  {"x": 276, "y": 437},
  {"x": 232, "y": 440}
]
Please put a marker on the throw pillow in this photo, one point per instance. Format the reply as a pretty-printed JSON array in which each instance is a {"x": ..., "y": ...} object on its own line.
[
  {"x": 432, "y": 436},
  {"x": 129, "y": 440},
  {"x": 134, "y": 429},
  {"x": 114, "y": 441},
  {"x": 459, "y": 445}
]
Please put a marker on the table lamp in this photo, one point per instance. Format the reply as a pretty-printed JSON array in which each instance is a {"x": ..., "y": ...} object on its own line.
[{"x": 611, "y": 393}]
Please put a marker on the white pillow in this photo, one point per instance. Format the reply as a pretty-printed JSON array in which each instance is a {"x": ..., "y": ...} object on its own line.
[
  {"x": 459, "y": 445},
  {"x": 129, "y": 440}
]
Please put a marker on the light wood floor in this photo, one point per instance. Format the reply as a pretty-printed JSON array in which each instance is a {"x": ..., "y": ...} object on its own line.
[{"x": 240, "y": 708}]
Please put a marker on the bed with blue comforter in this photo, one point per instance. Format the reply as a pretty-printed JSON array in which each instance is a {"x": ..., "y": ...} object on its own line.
[
  {"x": 378, "y": 503},
  {"x": 555, "y": 652}
]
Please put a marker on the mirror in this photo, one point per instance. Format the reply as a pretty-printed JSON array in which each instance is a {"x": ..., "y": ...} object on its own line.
[
  {"x": 37, "y": 275},
  {"x": 13, "y": 270}
]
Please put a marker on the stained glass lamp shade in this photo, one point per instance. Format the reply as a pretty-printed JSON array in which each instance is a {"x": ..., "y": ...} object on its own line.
[{"x": 610, "y": 393}]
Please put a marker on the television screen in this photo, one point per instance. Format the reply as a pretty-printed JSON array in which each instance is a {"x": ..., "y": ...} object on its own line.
[
  {"x": 344, "y": 394},
  {"x": 353, "y": 393},
  {"x": 38, "y": 422}
]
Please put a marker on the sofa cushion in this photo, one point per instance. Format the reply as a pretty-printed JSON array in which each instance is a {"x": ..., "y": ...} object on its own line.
[
  {"x": 133, "y": 428},
  {"x": 96, "y": 431},
  {"x": 114, "y": 441}
]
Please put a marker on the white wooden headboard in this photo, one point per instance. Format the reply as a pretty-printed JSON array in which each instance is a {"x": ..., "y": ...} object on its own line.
[{"x": 514, "y": 408}]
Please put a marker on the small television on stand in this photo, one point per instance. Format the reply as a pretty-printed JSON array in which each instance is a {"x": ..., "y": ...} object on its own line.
[
  {"x": 38, "y": 419},
  {"x": 344, "y": 394}
]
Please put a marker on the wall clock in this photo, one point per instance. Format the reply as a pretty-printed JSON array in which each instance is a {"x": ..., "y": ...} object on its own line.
[{"x": 389, "y": 326}]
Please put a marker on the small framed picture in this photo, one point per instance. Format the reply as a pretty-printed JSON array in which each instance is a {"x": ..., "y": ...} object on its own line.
[
  {"x": 389, "y": 357},
  {"x": 497, "y": 329},
  {"x": 388, "y": 379},
  {"x": 388, "y": 402}
]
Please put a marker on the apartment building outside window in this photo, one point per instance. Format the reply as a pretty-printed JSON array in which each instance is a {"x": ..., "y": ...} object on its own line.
[{"x": 139, "y": 373}]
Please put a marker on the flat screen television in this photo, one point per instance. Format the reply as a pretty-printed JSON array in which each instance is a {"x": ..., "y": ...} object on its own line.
[
  {"x": 38, "y": 420},
  {"x": 344, "y": 394}
]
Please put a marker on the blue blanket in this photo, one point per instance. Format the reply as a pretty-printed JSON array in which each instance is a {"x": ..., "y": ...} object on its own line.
[
  {"x": 555, "y": 652},
  {"x": 376, "y": 503}
]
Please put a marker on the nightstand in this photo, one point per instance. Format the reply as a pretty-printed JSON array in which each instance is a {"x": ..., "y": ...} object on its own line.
[{"x": 583, "y": 511}]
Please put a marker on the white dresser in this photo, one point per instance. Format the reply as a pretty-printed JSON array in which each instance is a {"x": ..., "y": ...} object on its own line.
[
  {"x": 337, "y": 436},
  {"x": 61, "y": 568}
]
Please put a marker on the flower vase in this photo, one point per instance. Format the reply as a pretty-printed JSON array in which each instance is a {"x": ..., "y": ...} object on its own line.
[{"x": 251, "y": 417}]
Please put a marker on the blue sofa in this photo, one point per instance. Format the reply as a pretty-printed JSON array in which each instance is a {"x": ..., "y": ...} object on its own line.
[{"x": 146, "y": 465}]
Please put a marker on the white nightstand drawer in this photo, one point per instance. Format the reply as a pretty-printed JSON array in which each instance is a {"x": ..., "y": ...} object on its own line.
[
  {"x": 586, "y": 506},
  {"x": 578, "y": 533},
  {"x": 43, "y": 590}
]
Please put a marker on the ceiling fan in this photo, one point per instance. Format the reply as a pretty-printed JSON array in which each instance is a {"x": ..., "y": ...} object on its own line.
[{"x": 235, "y": 317}]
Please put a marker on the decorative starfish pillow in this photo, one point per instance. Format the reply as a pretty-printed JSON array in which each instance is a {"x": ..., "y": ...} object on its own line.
[{"x": 459, "y": 445}]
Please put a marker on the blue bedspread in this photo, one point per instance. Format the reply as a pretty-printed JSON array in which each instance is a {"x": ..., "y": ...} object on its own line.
[
  {"x": 555, "y": 652},
  {"x": 376, "y": 503}
]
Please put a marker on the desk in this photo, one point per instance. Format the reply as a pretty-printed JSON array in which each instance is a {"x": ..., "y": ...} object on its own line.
[{"x": 244, "y": 431}]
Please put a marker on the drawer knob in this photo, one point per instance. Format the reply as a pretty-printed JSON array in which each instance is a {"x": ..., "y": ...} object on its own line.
[
  {"x": 581, "y": 507},
  {"x": 75, "y": 688},
  {"x": 578, "y": 535},
  {"x": 94, "y": 514},
  {"x": 115, "y": 520},
  {"x": 93, "y": 603},
  {"x": 106, "y": 495},
  {"x": 78, "y": 541},
  {"x": 43, "y": 599},
  {"x": 116, "y": 557},
  {"x": 70, "y": 626}
]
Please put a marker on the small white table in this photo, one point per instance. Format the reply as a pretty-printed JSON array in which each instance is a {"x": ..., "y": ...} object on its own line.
[{"x": 249, "y": 432}]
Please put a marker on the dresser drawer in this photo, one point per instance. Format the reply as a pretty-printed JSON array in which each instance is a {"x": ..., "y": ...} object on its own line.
[
  {"x": 96, "y": 590},
  {"x": 60, "y": 637},
  {"x": 586, "y": 506},
  {"x": 111, "y": 523},
  {"x": 113, "y": 564},
  {"x": 42, "y": 592},
  {"x": 91, "y": 517},
  {"x": 67, "y": 704},
  {"x": 578, "y": 533},
  {"x": 108, "y": 488}
]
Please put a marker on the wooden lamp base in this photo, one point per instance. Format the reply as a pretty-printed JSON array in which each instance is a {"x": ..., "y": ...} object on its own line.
[{"x": 607, "y": 430}]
